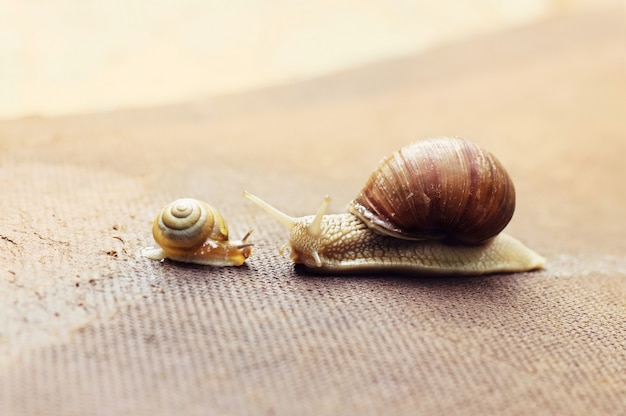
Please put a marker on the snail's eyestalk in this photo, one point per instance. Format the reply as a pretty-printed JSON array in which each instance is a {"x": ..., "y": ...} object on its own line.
[
  {"x": 315, "y": 228},
  {"x": 285, "y": 219},
  {"x": 243, "y": 241}
]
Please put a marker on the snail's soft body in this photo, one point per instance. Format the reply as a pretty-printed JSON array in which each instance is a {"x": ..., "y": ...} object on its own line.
[
  {"x": 443, "y": 236},
  {"x": 192, "y": 231},
  {"x": 344, "y": 244}
]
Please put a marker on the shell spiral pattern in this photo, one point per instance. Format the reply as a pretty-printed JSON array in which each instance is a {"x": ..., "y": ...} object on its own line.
[{"x": 188, "y": 223}]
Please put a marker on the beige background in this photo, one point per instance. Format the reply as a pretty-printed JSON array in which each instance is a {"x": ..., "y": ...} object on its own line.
[
  {"x": 70, "y": 56},
  {"x": 88, "y": 327}
]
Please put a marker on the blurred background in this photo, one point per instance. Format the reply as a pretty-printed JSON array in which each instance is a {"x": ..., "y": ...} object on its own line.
[{"x": 73, "y": 56}]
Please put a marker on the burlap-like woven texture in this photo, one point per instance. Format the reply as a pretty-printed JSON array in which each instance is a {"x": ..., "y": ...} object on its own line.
[{"x": 87, "y": 327}]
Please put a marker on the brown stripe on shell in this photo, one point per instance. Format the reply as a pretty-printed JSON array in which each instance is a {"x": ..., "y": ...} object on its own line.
[{"x": 438, "y": 188}]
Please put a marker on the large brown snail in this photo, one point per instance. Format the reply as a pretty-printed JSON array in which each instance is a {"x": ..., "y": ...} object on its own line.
[
  {"x": 192, "y": 231},
  {"x": 436, "y": 206}
]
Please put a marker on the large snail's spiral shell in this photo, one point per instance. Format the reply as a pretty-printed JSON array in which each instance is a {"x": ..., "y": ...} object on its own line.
[
  {"x": 188, "y": 223},
  {"x": 438, "y": 188}
]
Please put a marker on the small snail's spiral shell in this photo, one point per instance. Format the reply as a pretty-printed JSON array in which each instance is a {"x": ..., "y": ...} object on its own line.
[
  {"x": 438, "y": 188},
  {"x": 188, "y": 223}
]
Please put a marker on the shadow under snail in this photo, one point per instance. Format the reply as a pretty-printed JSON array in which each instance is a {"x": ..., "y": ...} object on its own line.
[
  {"x": 192, "y": 231},
  {"x": 436, "y": 206}
]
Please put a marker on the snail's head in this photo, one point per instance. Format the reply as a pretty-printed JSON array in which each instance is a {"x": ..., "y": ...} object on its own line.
[{"x": 305, "y": 232}]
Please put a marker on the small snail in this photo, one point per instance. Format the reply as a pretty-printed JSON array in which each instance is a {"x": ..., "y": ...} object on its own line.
[
  {"x": 436, "y": 206},
  {"x": 192, "y": 231}
]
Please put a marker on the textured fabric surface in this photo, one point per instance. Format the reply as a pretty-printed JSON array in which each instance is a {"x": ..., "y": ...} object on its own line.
[{"x": 89, "y": 328}]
